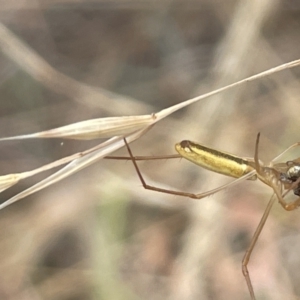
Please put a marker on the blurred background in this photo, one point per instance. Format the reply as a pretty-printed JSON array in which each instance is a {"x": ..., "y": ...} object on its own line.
[{"x": 98, "y": 234}]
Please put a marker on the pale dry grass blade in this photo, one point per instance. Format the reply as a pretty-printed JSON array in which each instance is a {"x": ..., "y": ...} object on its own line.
[
  {"x": 171, "y": 109},
  {"x": 6, "y": 181},
  {"x": 93, "y": 129},
  {"x": 76, "y": 165},
  {"x": 120, "y": 126}
]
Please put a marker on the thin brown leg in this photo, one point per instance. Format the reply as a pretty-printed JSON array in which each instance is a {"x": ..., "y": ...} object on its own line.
[
  {"x": 295, "y": 204},
  {"x": 264, "y": 176},
  {"x": 289, "y": 206},
  {"x": 256, "y": 160},
  {"x": 179, "y": 193},
  {"x": 171, "y": 156},
  {"x": 252, "y": 245},
  {"x": 285, "y": 151}
]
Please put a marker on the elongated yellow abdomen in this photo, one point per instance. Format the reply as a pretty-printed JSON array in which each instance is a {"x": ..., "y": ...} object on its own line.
[{"x": 214, "y": 160}]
